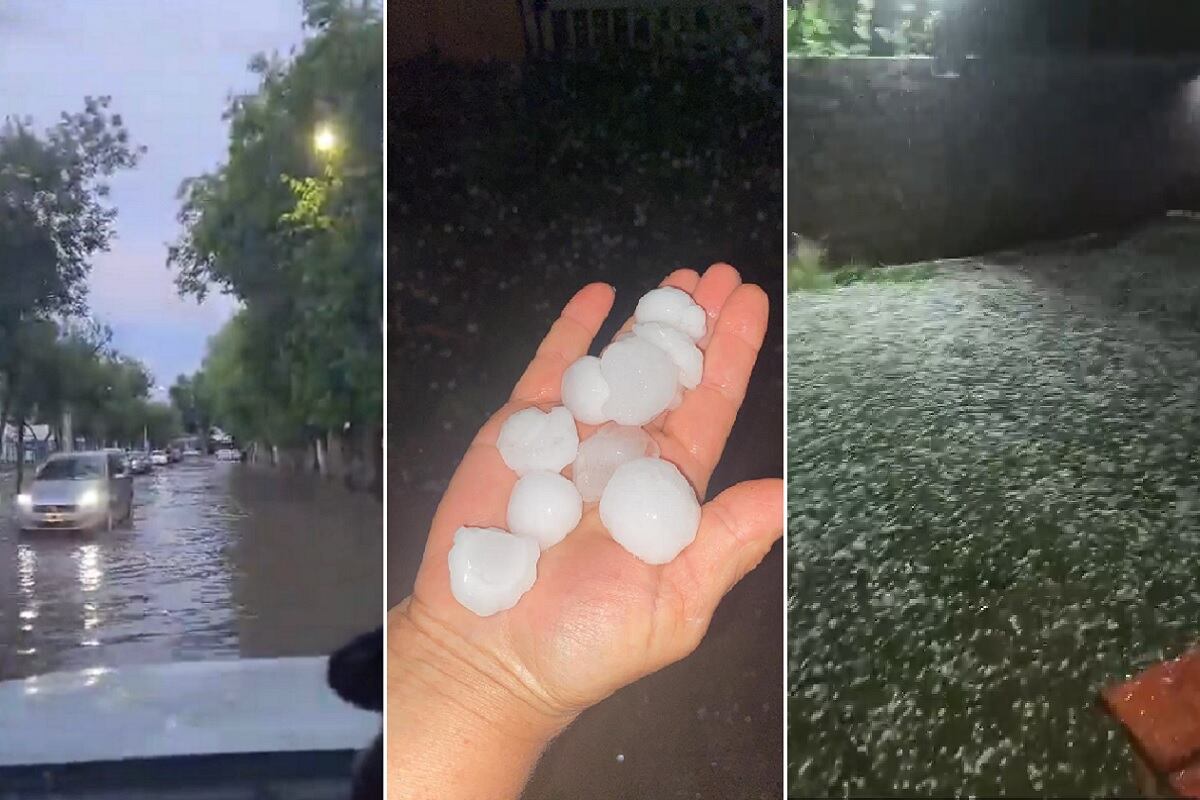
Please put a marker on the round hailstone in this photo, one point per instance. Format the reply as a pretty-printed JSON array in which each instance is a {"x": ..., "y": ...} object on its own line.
[
  {"x": 673, "y": 307},
  {"x": 678, "y": 346},
  {"x": 534, "y": 439},
  {"x": 650, "y": 509},
  {"x": 490, "y": 569},
  {"x": 642, "y": 380},
  {"x": 545, "y": 507},
  {"x": 601, "y": 454},
  {"x": 584, "y": 390}
]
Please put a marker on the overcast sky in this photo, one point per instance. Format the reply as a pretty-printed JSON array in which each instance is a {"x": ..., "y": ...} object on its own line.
[{"x": 169, "y": 67}]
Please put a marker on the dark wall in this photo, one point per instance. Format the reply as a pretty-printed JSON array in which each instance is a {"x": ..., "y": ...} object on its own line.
[
  {"x": 1073, "y": 26},
  {"x": 889, "y": 162}
]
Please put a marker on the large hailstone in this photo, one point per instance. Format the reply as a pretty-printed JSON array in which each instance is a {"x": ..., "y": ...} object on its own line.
[
  {"x": 490, "y": 569},
  {"x": 544, "y": 506},
  {"x": 650, "y": 509},
  {"x": 533, "y": 439},
  {"x": 678, "y": 347},
  {"x": 601, "y": 454},
  {"x": 673, "y": 307},
  {"x": 642, "y": 381},
  {"x": 584, "y": 390}
]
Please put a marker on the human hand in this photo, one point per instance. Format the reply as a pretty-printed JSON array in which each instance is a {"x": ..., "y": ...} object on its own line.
[{"x": 597, "y": 618}]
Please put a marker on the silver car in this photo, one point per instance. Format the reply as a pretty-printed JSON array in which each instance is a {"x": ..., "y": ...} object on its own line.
[{"x": 78, "y": 491}]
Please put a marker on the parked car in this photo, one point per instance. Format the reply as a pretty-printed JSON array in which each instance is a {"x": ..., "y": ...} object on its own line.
[
  {"x": 81, "y": 491},
  {"x": 174, "y": 454},
  {"x": 192, "y": 452},
  {"x": 159, "y": 458},
  {"x": 139, "y": 462}
]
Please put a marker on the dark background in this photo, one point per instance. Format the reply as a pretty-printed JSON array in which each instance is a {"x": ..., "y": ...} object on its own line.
[
  {"x": 1035, "y": 120},
  {"x": 1143, "y": 27},
  {"x": 511, "y": 187},
  {"x": 891, "y": 162}
]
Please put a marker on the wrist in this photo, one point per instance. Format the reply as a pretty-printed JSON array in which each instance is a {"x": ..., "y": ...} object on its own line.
[{"x": 459, "y": 720}]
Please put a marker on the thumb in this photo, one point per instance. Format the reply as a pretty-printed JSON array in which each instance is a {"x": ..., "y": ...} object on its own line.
[{"x": 737, "y": 528}]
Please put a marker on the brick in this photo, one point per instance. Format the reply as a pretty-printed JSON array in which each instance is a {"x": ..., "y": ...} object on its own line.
[{"x": 1160, "y": 709}]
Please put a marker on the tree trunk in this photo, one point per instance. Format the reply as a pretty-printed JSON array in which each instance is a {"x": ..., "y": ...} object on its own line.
[
  {"x": 4, "y": 412},
  {"x": 524, "y": 28},
  {"x": 539, "y": 10},
  {"x": 20, "y": 452},
  {"x": 322, "y": 457}
]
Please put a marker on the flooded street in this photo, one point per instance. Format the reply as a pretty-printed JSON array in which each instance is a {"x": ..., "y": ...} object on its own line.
[
  {"x": 221, "y": 561},
  {"x": 994, "y": 510}
]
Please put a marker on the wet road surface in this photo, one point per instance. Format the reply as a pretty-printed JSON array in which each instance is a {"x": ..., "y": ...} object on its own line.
[
  {"x": 221, "y": 561},
  {"x": 994, "y": 511}
]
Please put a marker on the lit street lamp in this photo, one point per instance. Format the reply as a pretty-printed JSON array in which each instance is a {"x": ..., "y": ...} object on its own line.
[{"x": 324, "y": 140}]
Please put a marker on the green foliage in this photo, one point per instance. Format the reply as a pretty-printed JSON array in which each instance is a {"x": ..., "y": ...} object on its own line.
[
  {"x": 54, "y": 216},
  {"x": 809, "y": 271},
  {"x": 861, "y": 273},
  {"x": 831, "y": 28},
  {"x": 71, "y": 367},
  {"x": 240, "y": 389},
  {"x": 53, "y": 211},
  {"x": 806, "y": 269},
  {"x": 296, "y": 232},
  {"x": 190, "y": 400}
]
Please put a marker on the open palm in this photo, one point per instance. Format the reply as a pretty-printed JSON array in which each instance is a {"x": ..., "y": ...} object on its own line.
[{"x": 598, "y": 618}]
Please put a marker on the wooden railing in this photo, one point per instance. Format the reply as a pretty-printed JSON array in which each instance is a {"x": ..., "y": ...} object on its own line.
[{"x": 581, "y": 28}]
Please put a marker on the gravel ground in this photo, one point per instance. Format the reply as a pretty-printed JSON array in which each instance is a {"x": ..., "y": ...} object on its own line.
[{"x": 994, "y": 511}]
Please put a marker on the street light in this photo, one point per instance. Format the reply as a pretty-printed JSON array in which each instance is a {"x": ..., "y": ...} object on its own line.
[{"x": 324, "y": 140}]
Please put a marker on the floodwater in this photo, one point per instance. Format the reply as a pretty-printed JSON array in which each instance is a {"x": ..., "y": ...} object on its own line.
[
  {"x": 994, "y": 512},
  {"x": 221, "y": 561}
]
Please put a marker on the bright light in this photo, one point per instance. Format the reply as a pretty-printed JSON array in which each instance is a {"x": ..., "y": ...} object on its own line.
[
  {"x": 325, "y": 140},
  {"x": 24, "y": 500},
  {"x": 89, "y": 499}
]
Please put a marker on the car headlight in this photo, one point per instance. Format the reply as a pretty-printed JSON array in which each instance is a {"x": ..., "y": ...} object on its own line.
[
  {"x": 24, "y": 500},
  {"x": 89, "y": 499}
]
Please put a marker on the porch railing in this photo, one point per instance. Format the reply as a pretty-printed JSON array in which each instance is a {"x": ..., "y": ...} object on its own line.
[{"x": 583, "y": 28}]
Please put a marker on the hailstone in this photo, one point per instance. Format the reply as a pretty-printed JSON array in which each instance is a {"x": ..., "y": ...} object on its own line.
[
  {"x": 649, "y": 508},
  {"x": 642, "y": 380},
  {"x": 534, "y": 439},
  {"x": 490, "y": 569},
  {"x": 584, "y": 390},
  {"x": 678, "y": 347},
  {"x": 673, "y": 307},
  {"x": 601, "y": 454},
  {"x": 544, "y": 506}
]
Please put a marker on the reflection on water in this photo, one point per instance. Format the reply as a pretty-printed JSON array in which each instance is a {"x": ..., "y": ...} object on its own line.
[{"x": 221, "y": 561}]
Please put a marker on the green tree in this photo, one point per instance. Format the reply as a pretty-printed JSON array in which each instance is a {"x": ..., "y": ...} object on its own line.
[
  {"x": 160, "y": 423},
  {"x": 292, "y": 226},
  {"x": 190, "y": 402},
  {"x": 54, "y": 216},
  {"x": 824, "y": 28}
]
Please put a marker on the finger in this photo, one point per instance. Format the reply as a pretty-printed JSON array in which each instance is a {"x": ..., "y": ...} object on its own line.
[
  {"x": 568, "y": 340},
  {"x": 737, "y": 529},
  {"x": 685, "y": 279},
  {"x": 714, "y": 289},
  {"x": 694, "y": 434}
]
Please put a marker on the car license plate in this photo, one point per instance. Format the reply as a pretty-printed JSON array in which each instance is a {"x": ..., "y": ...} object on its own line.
[{"x": 54, "y": 518}]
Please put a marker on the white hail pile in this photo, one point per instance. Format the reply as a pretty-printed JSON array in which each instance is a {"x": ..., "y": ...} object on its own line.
[{"x": 646, "y": 504}]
